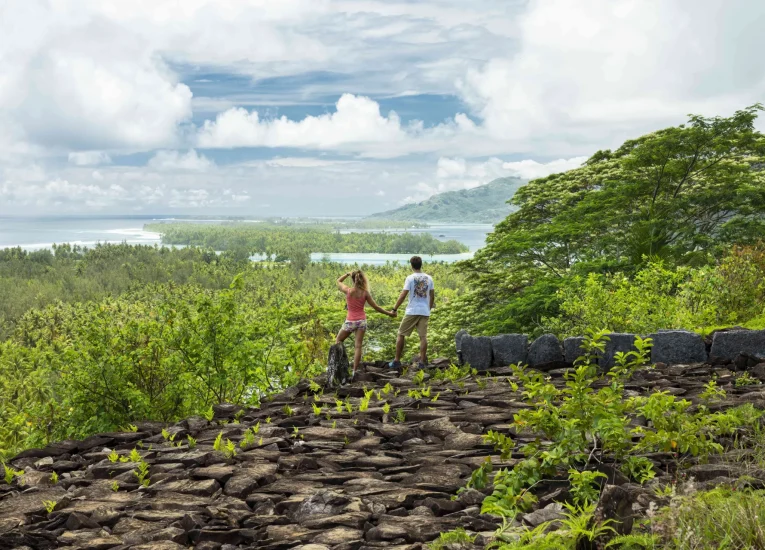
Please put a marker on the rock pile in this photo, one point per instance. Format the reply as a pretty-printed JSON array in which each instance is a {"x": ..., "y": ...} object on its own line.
[{"x": 342, "y": 478}]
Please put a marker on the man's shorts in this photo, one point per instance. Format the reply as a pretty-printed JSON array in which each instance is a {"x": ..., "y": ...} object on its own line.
[{"x": 410, "y": 322}]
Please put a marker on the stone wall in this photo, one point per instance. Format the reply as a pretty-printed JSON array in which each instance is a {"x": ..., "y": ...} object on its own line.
[{"x": 740, "y": 347}]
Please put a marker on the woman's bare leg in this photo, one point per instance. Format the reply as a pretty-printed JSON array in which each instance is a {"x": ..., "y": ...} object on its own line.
[
  {"x": 357, "y": 351},
  {"x": 341, "y": 336}
]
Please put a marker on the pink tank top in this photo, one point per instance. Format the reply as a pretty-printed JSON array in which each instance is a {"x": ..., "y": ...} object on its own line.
[{"x": 356, "y": 307}]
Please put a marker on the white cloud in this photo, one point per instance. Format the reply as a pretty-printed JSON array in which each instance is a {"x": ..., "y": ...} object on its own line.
[
  {"x": 173, "y": 160},
  {"x": 89, "y": 158},
  {"x": 304, "y": 162},
  {"x": 592, "y": 74},
  {"x": 356, "y": 120},
  {"x": 74, "y": 82},
  {"x": 530, "y": 169},
  {"x": 450, "y": 167}
]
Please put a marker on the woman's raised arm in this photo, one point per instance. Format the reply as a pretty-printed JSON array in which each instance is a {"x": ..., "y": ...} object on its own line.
[{"x": 340, "y": 286}]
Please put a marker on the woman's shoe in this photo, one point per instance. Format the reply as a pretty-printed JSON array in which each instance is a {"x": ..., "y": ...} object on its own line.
[{"x": 394, "y": 365}]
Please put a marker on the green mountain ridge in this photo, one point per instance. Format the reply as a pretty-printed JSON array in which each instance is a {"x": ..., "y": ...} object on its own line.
[{"x": 484, "y": 204}]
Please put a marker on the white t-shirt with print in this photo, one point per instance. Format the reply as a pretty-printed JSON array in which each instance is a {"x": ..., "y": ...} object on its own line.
[{"x": 419, "y": 286}]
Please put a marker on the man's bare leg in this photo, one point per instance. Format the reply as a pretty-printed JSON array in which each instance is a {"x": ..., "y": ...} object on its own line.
[{"x": 400, "y": 341}]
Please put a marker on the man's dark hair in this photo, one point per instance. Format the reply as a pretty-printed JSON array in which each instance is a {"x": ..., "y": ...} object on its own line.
[{"x": 416, "y": 262}]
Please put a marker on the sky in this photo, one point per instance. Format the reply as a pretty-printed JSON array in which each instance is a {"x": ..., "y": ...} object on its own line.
[{"x": 343, "y": 107}]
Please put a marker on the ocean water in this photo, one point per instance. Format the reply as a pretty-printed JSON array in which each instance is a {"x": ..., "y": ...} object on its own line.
[{"x": 40, "y": 233}]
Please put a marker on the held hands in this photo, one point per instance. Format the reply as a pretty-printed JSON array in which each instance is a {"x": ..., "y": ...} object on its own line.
[{"x": 393, "y": 313}]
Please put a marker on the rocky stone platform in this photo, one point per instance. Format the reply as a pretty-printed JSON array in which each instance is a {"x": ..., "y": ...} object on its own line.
[{"x": 340, "y": 478}]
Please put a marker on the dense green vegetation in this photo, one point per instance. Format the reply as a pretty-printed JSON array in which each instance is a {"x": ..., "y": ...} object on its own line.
[
  {"x": 295, "y": 243},
  {"x": 483, "y": 204},
  {"x": 659, "y": 207},
  {"x": 97, "y": 339}
]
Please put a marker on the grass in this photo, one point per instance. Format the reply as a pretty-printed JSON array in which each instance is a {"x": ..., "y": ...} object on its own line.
[{"x": 719, "y": 519}]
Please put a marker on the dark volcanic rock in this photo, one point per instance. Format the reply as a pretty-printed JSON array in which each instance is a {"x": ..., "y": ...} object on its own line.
[
  {"x": 509, "y": 349},
  {"x": 730, "y": 344},
  {"x": 572, "y": 348},
  {"x": 352, "y": 480},
  {"x": 476, "y": 352},
  {"x": 678, "y": 347},
  {"x": 618, "y": 342},
  {"x": 545, "y": 351}
]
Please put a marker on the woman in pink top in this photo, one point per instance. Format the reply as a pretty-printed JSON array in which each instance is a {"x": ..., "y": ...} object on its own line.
[{"x": 357, "y": 297}]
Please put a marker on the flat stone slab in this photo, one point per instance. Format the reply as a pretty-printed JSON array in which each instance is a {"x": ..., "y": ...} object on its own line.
[
  {"x": 678, "y": 347},
  {"x": 509, "y": 349},
  {"x": 545, "y": 350},
  {"x": 729, "y": 344},
  {"x": 618, "y": 342},
  {"x": 572, "y": 348},
  {"x": 476, "y": 351}
]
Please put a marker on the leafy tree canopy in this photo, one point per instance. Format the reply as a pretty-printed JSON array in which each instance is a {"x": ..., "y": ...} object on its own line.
[{"x": 678, "y": 194}]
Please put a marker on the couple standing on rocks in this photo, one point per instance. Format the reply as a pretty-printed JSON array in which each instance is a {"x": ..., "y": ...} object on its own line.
[{"x": 418, "y": 286}]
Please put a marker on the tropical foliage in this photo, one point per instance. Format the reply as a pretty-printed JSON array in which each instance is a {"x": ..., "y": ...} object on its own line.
[
  {"x": 295, "y": 243},
  {"x": 682, "y": 195},
  {"x": 122, "y": 334}
]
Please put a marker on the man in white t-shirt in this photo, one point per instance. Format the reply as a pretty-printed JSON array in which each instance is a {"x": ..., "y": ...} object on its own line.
[{"x": 419, "y": 287}]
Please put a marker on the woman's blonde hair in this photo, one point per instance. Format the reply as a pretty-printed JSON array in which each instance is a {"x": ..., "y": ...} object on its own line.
[{"x": 360, "y": 281}]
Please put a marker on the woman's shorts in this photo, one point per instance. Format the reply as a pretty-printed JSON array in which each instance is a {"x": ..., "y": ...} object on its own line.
[{"x": 353, "y": 326}]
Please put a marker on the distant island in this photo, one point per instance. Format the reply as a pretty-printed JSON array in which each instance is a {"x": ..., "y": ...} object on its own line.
[{"x": 483, "y": 204}]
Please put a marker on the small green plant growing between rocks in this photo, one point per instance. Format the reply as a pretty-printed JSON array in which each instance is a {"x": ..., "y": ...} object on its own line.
[
  {"x": 288, "y": 410},
  {"x": 229, "y": 450},
  {"x": 115, "y": 486},
  {"x": 247, "y": 440},
  {"x": 414, "y": 394},
  {"x": 364, "y": 403},
  {"x": 400, "y": 417},
  {"x": 575, "y": 529},
  {"x": 348, "y": 405},
  {"x": 314, "y": 387},
  {"x": 746, "y": 379},
  {"x": 584, "y": 489},
  {"x": 457, "y": 536},
  {"x": 295, "y": 432},
  {"x": 192, "y": 442},
  {"x": 50, "y": 505},
  {"x": 387, "y": 388},
  {"x": 480, "y": 476},
  {"x": 334, "y": 424},
  {"x": 419, "y": 377},
  {"x": 209, "y": 414},
  {"x": 218, "y": 443},
  {"x": 268, "y": 420},
  {"x": 638, "y": 468},
  {"x": 256, "y": 428},
  {"x": 386, "y": 407},
  {"x": 712, "y": 392},
  {"x": 339, "y": 406},
  {"x": 134, "y": 456},
  {"x": 54, "y": 478},
  {"x": 113, "y": 456},
  {"x": 316, "y": 409},
  {"x": 142, "y": 473}
]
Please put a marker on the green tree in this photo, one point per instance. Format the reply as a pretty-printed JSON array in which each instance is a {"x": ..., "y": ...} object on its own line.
[{"x": 678, "y": 194}]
